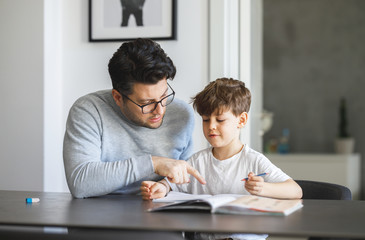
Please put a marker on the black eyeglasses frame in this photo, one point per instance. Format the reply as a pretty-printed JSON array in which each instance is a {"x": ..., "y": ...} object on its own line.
[{"x": 156, "y": 103}]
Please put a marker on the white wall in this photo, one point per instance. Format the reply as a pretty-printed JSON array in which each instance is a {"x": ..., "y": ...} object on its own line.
[
  {"x": 72, "y": 67},
  {"x": 21, "y": 95}
]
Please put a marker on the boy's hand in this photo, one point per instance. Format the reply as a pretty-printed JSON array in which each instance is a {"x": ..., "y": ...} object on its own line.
[
  {"x": 254, "y": 184},
  {"x": 151, "y": 190}
]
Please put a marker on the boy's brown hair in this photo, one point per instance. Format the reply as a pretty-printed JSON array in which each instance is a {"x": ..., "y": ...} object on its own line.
[{"x": 223, "y": 94}]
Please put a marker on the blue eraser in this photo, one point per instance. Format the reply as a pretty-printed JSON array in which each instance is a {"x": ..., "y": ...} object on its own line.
[{"x": 32, "y": 200}]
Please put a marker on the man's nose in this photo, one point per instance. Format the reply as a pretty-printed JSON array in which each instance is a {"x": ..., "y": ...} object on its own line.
[{"x": 159, "y": 109}]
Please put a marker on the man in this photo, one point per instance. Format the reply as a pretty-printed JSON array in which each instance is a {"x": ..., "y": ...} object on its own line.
[{"x": 115, "y": 139}]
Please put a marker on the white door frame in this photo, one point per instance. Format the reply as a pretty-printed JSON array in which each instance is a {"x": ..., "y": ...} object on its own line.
[{"x": 235, "y": 33}]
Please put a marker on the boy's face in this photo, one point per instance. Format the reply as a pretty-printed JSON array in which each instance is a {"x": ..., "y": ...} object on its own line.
[{"x": 222, "y": 129}]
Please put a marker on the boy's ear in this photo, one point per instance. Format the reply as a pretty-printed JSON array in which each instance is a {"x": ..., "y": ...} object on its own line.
[{"x": 243, "y": 120}]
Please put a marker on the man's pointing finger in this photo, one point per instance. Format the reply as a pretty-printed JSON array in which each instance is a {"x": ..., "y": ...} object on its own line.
[{"x": 196, "y": 174}]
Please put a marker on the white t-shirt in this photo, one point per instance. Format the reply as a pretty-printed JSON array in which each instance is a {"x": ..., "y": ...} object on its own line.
[{"x": 224, "y": 176}]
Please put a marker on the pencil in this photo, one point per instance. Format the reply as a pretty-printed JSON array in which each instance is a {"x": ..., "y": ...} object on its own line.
[{"x": 259, "y": 175}]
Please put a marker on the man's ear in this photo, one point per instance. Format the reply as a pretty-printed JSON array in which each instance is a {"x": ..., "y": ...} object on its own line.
[
  {"x": 118, "y": 98},
  {"x": 243, "y": 120}
]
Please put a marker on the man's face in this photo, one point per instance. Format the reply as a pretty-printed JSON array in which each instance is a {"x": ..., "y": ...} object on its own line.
[{"x": 144, "y": 94}]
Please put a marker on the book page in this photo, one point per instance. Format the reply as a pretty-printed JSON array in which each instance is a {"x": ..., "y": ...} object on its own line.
[
  {"x": 218, "y": 200},
  {"x": 180, "y": 197},
  {"x": 179, "y": 200},
  {"x": 269, "y": 205}
]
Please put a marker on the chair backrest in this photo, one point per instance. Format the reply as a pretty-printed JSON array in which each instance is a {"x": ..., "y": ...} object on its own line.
[{"x": 323, "y": 190}]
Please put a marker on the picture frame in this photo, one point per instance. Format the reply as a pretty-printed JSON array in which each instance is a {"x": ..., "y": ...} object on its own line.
[{"x": 122, "y": 20}]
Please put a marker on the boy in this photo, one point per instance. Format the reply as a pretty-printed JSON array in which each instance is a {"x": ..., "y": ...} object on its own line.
[{"x": 224, "y": 106}]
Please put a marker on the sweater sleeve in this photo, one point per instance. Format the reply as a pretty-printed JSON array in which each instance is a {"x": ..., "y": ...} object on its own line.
[
  {"x": 188, "y": 133},
  {"x": 86, "y": 174}
]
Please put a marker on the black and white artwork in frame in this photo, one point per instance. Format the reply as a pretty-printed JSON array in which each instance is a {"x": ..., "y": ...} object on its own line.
[{"x": 120, "y": 20}]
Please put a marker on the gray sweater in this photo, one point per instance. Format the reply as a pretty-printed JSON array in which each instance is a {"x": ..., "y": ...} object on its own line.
[{"x": 104, "y": 152}]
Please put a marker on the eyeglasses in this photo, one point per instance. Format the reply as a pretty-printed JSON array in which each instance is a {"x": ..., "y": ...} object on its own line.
[{"x": 150, "y": 107}]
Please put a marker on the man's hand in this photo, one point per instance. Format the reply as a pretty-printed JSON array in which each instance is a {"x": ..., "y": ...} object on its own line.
[
  {"x": 151, "y": 190},
  {"x": 176, "y": 171}
]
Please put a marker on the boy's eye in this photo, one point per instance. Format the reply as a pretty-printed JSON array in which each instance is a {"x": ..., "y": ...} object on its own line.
[
  {"x": 220, "y": 120},
  {"x": 205, "y": 120}
]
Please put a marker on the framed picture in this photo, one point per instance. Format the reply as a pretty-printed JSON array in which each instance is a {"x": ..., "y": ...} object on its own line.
[{"x": 120, "y": 20}]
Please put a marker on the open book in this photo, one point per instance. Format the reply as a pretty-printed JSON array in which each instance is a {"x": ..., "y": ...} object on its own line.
[{"x": 229, "y": 204}]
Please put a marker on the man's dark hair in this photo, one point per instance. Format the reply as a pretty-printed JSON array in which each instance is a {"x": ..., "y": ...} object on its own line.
[{"x": 139, "y": 61}]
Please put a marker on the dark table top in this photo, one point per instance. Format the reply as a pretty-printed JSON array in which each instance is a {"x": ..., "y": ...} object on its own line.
[{"x": 331, "y": 218}]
